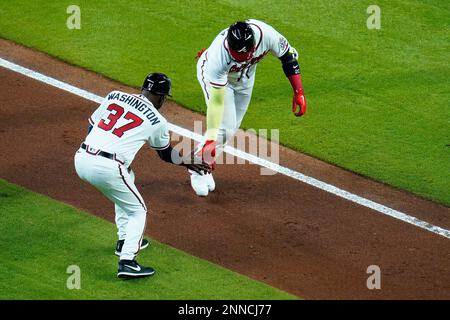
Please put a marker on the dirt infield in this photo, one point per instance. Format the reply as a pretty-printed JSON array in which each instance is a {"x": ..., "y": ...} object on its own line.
[{"x": 271, "y": 228}]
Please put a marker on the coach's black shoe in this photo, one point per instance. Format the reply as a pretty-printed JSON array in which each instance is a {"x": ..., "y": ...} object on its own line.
[
  {"x": 129, "y": 269},
  {"x": 144, "y": 244}
]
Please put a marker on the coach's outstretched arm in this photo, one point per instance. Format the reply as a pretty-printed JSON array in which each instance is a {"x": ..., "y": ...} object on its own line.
[
  {"x": 191, "y": 162},
  {"x": 291, "y": 69}
]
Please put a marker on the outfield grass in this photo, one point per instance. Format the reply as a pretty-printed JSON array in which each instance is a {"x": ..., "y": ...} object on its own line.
[
  {"x": 378, "y": 99},
  {"x": 40, "y": 238}
]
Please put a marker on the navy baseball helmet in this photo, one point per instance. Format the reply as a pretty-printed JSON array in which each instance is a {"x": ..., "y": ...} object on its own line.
[
  {"x": 158, "y": 83},
  {"x": 241, "y": 41}
]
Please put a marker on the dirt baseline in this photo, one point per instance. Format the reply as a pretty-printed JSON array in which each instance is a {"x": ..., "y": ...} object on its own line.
[{"x": 271, "y": 228}]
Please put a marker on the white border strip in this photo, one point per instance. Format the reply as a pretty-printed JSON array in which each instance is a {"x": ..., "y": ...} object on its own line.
[{"x": 246, "y": 156}]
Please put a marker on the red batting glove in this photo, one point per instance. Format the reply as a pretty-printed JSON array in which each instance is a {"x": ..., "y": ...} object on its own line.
[
  {"x": 208, "y": 153},
  {"x": 299, "y": 95},
  {"x": 299, "y": 100}
]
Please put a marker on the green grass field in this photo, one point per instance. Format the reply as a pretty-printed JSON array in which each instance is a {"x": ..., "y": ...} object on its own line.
[
  {"x": 378, "y": 99},
  {"x": 40, "y": 238}
]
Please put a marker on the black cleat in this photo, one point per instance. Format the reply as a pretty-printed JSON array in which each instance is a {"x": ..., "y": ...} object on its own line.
[
  {"x": 130, "y": 269},
  {"x": 144, "y": 244}
]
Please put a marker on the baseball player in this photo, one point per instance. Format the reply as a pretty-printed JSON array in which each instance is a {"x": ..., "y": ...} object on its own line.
[
  {"x": 119, "y": 127},
  {"x": 226, "y": 73}
]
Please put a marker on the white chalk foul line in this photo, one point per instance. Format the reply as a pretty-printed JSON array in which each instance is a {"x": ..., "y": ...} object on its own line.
[{"x": 246, "y": 156}]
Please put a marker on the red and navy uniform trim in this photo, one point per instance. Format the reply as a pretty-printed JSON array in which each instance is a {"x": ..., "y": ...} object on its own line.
[
  {"x": 141, "y": 238},
  {"x": 217, "y": 84},
  {"x": 260, "y": 38},
  {"x": 143, "y": 205},
  {"x": 203, "y": 74},
  {"x": 128, "y": 186}
]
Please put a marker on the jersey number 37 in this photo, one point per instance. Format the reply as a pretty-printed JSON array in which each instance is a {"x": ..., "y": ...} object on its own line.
[{"x": 115, "y": 114}]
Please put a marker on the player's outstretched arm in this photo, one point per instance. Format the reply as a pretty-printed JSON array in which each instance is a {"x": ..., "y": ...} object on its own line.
[
  {"x": 214, "y": 116},
  {"x": 291, "y": 69},
  {"x": 214, "y": 113}
]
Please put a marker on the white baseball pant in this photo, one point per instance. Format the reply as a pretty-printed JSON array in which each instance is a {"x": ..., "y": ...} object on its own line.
[
  {"x": 236, "y": 101},
  {"x": 117, "y": 184}
]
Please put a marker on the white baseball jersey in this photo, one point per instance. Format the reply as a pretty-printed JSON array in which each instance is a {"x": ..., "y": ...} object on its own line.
[
  {"x": 123, "y": 123},
  {"x": 219, "y": 69}
]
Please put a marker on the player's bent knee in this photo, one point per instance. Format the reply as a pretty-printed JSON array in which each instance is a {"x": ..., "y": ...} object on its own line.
[{"x": 137, "y": 211}]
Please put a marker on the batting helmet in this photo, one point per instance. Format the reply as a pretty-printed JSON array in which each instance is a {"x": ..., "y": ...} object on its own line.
[
  {"x": 241, "y": 41},
  {"x": 159, "y": 84}
]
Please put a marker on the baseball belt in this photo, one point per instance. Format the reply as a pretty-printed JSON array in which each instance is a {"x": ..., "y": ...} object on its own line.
[{"x": 101, "y": 153}]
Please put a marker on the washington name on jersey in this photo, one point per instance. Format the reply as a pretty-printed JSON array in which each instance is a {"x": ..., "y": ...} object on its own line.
[{"x": 135, "y": 103}]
